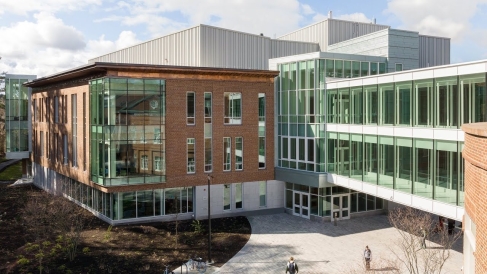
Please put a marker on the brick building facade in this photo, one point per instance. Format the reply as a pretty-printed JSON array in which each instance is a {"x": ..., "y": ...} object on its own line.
[
  {"x": 475, "y": 219},
  {"x": 98, "y": 143}
]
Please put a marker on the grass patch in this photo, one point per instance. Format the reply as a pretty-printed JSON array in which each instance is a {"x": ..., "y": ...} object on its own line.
[{"x": 12, "y": 172}]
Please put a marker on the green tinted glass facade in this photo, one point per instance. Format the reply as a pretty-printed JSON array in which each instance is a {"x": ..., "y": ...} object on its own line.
[
  {"x": 127, "y": 131},
  {"x": 16, "y": 115},
  {"x": 436, "y": 103}
]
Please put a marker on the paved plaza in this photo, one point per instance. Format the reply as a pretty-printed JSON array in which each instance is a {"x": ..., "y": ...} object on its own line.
[{"x": 319, "y": 247}]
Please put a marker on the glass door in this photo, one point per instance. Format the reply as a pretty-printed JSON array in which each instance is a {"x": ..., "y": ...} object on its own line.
[
  {"x": 340, "y": 207},
  {"x": 301, "y": 204}
]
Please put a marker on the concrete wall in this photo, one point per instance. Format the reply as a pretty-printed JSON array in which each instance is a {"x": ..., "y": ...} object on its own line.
[{"x": 250, "y": 198}]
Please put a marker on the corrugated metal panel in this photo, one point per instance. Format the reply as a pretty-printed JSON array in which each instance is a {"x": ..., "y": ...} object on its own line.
[
  {"x": 315, "y": 33},
  {"x": 433, "y": 51},
  {"x": 179, "y": 49},
  {"x": 232, "y": 49},
  {"x": 331, "y": 31}
]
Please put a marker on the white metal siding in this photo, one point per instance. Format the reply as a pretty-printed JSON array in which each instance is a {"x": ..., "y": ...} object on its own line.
[
  {"x": 233, "y": 49},
  {"x": 433, "y": 51},
  {"x": 178, "y": 49},
  {"x": 332, "y": 31}
]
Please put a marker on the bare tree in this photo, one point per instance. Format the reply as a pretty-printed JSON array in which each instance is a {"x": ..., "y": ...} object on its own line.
[
  {"x": 47, "y": 216},
  {"x": 414, "y": 227}
]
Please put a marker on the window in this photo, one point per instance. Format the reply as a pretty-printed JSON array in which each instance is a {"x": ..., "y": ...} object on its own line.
[
  {"x": 42, "y": 144},
  {"x": 208, "y": 115},
  {"x": 423, "y": 106},
  {"x": 190, "y": 108},
  {"x": 398, "y": 67},
  {"x": 238, "y": 153},
  {"x": 208, "y": 155},
  {"x": 474, "y": 98},
  {"x": 339, "y": 68},
  {"x": 262, "y": 129},
  {"x": 403, "y": 103},
  {"x": 386, "y": 161},
  {"x": 84, "y": 132},
  {"x": 144, "y": 163},
  {"x": 447, "y": 102},
  {"x": 190, "y": 155},
  {"x": 65, "y": 149},
  {"x": 373, "y": 68},
  {"x": 74, "y": 130},
  {"x": 386, "y": 103},
  {"x": 382, "y": 68},
  {"x": 330, "y": 68},
  {"x": 227, "y": 154},
  {"x": 157, "y": 135},
  {"x": 238, "y": 196},
  {"x": 347, "y": 69},
  {"x": 56, "y": 109},
  {"x": 263, "y": 194},
  {"x": 355, "y": 69},
  {"x": 233, "y": 108},
  {"x": 226, "y": 197},
  {"x": 364, "y": 69},
  {"x": 35, "y": 110},
  {"x": 371, "y": 105},
  {"x": 157, "y": 163}
]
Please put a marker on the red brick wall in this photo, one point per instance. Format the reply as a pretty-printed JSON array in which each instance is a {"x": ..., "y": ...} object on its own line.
[
  {"x": 176, "y": 129},
  {"x": 475, "y": 155}
]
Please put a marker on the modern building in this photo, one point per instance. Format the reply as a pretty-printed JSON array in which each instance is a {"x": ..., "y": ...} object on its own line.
[
  {"x": 17, "y": 120},
  {"x": 339, "y": 119},
  {"x": 138, "y": 142}
]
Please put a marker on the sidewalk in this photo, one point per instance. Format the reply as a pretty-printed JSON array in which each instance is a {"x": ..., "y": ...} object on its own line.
[{"x": 319, "y": 247}]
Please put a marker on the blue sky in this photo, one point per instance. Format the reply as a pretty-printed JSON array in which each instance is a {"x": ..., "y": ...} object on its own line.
[{"x": 48, "y": 36}]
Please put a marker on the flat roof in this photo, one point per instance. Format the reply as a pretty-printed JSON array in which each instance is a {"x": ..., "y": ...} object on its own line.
[{"x": 103, "y": 67}]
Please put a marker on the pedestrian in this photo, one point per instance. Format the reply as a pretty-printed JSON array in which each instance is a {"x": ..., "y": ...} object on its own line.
[
  {"x": 367, "y": 257},
  {"x": 423, "y": 237},
  {"x": 292, "y": 267}
]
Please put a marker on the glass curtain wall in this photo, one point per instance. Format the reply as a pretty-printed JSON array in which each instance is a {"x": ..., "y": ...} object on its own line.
[
  {"x": 321, "y": 199},
  {"x": 404, "y": 164},
  {"x": 424, "y": 166},
  {"x": 447, "y": 98},
  {"x": 474, "y": 98},
  {"x": 356, "y": 156},
  {"x": 386, "y": 161},
  {"x": 16, "y": 115},
  {"x": 127, "y": 126},
  {"x": 371, "y": 104},
  {"x": 387, "y": 104},
  {"x": 403, "y": 103},
  {"x": 370, "y": 159},
  {"x": 423, "y": 103},
  {"x": 357, "y": 105},
  {"x": 446, "y": 172}
]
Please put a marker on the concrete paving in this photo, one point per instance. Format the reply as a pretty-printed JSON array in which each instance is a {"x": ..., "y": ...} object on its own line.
[{"x": 321, "y": 247}]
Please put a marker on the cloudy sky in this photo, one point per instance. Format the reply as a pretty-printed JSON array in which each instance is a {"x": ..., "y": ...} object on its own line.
[{"x": 48, "y": 36}]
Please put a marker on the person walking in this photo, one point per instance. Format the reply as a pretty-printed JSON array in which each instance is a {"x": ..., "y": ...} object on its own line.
[
  {"x": 292, "y": 267},
  {"x": 423, "y": 238},
  {"x": 367, "y": 257}
]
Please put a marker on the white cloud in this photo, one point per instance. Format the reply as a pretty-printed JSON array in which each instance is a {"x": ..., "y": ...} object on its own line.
[
  {"x": 24, "y": 7},
  {"x": 448, "y": 18},
  {"x": 254, "y": 16},
  {"x": 48, "y": 46},
  {"x": 355, "y": 17}
]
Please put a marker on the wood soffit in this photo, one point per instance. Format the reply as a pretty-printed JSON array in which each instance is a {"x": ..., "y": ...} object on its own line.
[{"x": 99, "y": 69}]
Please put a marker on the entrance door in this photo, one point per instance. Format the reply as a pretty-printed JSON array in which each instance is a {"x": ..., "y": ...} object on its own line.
[
  {"x": 301, "y": 204},
  {"x": 340, "y": 207}
]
